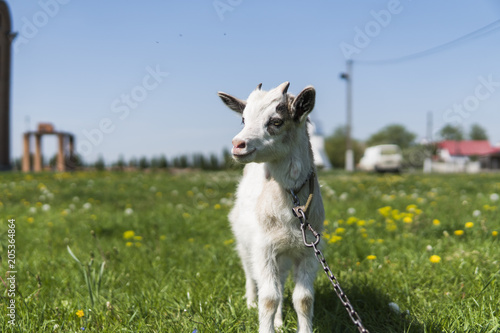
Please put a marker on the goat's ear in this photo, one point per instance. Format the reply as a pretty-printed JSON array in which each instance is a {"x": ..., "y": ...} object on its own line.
[
  {"x": 303, "y": 104},
  {"x": 232, "y": 102}
]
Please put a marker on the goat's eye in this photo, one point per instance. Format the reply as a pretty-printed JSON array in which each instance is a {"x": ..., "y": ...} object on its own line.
[
  {"x": 242, "y": 121},
  {"x": 276, "y": 122}
]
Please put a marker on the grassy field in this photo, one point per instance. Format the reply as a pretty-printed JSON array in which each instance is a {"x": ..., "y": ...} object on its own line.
[{"x": 153, "y": 252}]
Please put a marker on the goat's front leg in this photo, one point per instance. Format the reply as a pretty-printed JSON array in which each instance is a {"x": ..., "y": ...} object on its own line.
[
  {"x": 269, "y": 290},
  {"x": 303, "y": 294}
]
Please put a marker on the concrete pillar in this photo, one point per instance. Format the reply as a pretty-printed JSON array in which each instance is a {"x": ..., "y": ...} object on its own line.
[
  {"x": 6, "y": 37},
  {"x": 38, "y": 153},
  {"x": 60, "y": 153},
  {"x": 26, "y": 154}
]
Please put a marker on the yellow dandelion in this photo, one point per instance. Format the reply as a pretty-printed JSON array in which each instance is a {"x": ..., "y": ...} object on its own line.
[
  {"x": 138, "y": 238},
  {"x": 128, "y": 234},
  {"x": 334, "y": 239},
  {"x": 190, "y": 194},
  {"x": 494, "y": 233},
  {"x": 50, "y": 224},
  {"x": 163, "y": 237},
  {"x": 469, "y": 224},
  {"x": 191, "y": 240},
  {"x": 380, "y": 240},
  {"x": 38, "y": 204},
  {"x": 80, "y": 313},
  {"x": 458, "y": 232},
  {"x": 93, "y": 217},
  {"x": 340, "y": 230},
  {"x": 159, "y": 194},
  {"x": 436, "y": 222},
  {"x": 361, "y": 223},
  {"x": 352, "y": 220},
  {"x": 129, "y": 244},
  {"x": 228, "y": 241},
  {"x": 407, "y": 219},
  {"x": 186, "y": 215},
  {"x": 326, "y": 222},
  {"x": 371, "y": 257},
  {"x": 411, "y": 208},
  {"x": 384, "y": 211},
  {"x": 435, "y": 259},
  {"x": 217, "y": 206},
  {"x": 31, "y": 220}
]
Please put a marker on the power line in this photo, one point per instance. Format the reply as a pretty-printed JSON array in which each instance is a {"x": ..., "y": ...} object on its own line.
[{"x": 487, "y": 29}]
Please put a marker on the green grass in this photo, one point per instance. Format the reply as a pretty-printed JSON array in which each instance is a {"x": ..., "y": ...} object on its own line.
[{"x": 178, "y": 270}]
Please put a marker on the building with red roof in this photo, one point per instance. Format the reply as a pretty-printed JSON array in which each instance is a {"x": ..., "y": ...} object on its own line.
[{"x": 467, "y": 150}]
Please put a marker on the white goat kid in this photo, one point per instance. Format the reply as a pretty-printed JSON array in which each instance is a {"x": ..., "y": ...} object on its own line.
[{"x": 274, "y": 145}]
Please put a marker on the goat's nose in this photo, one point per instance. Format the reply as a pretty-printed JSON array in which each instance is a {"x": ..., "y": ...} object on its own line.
[{"x": 237, "y": 143}]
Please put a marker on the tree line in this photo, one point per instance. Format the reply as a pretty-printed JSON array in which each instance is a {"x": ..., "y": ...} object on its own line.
[{"x": 414, "y": 153}]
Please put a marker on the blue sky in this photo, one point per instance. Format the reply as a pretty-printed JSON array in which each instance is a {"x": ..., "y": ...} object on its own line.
[{"x": 140, "y": 78}]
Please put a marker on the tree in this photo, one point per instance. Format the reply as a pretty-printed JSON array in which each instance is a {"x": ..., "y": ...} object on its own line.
[
  {"x": 100, "y": 165},
  {"x": 335, "y": 147},
  {"x": 392, "y": 134},
  {"x": 452, "y": 133},
  {"x": 143, "y": 163},
  {"x": 477, "y": 132},
  {"x": 162, "y": 162}
]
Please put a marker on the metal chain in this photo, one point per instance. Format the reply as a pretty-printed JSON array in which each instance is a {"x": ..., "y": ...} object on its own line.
[{"x": 297, "y": 211}]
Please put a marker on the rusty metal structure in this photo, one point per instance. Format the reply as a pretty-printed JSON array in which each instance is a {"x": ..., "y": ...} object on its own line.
[{"x": 66, "y": 143}]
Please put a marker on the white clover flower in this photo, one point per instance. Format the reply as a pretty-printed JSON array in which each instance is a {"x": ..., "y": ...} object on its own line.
[
  {"x": 343, "y": 196},
  {"x": 129, "y": 211},
  {"x": 32, "y": 210},
  {"x": 87, "y": 205},
  {"x": 394, "y": 307},
  {"x": 351, "y": 211},
  {"x": 476, "y": 213},
  {"x": 76, "y": 199},
  {"x": 494, "y": 197},
  {"x": 46, "y": 207}
]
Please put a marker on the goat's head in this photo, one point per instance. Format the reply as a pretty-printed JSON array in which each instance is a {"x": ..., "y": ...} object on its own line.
[{"x": 272, "y": 120}]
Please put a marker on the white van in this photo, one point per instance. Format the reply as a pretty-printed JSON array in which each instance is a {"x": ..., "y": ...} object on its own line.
[{"x": 382, "y": 158}]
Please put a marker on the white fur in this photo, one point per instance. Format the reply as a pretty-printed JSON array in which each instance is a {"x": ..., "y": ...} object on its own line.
[{"x": 268, "y": 235}]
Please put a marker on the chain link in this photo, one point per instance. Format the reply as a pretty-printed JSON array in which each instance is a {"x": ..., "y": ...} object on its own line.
[{"x": 321, "y": 258}]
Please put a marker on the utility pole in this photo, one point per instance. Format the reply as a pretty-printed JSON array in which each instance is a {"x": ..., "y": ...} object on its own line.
[
  {"x": 6, "y": 38},
  {"x": 349, "y": 155}
]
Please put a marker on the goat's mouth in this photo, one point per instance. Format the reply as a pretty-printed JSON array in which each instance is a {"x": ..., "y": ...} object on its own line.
[{"x": 239, "y": 153}]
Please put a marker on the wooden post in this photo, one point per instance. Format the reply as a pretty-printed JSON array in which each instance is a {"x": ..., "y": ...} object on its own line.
[
  {"x": 26, "y": 154},
  {"x": 71, "y": 151},
  {"x": 60, "y": 153},
  {"x": 38, "y": 153}
]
